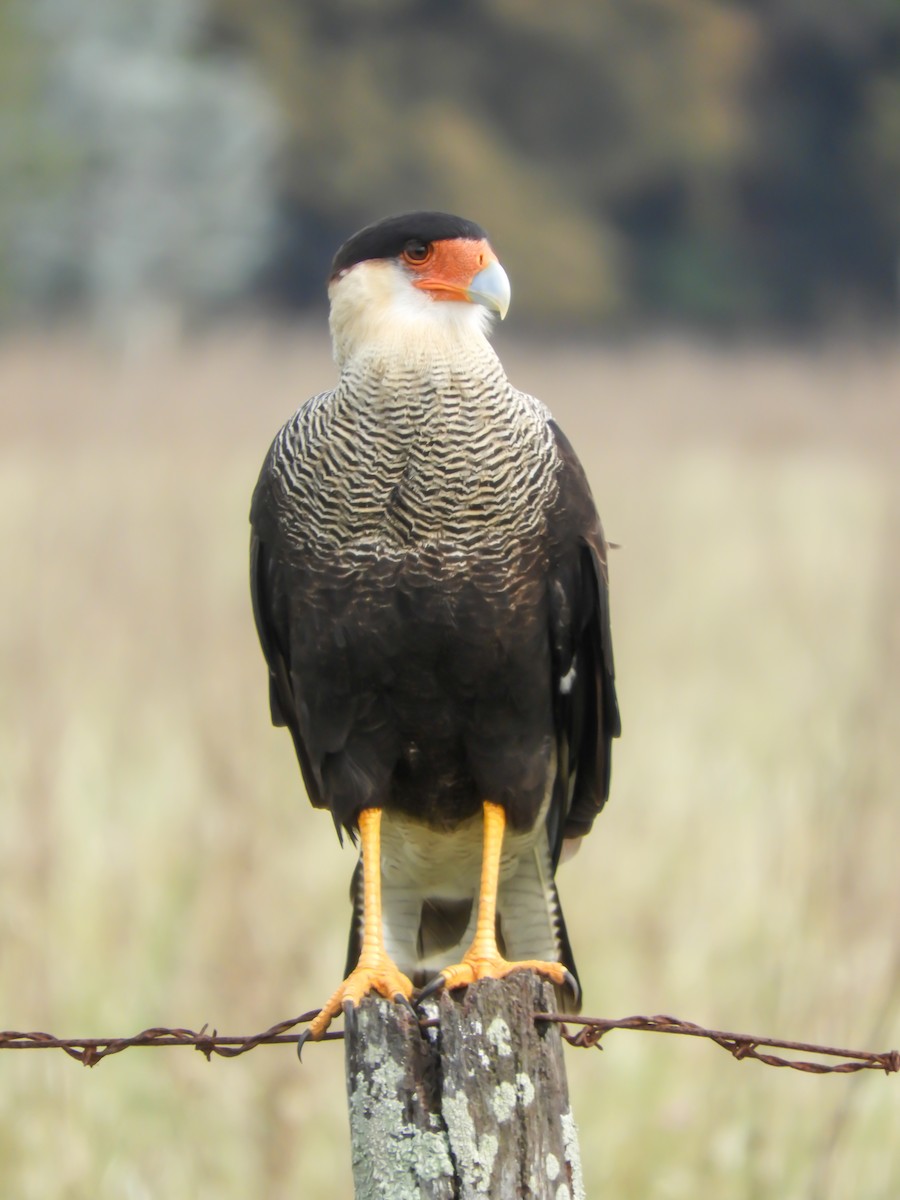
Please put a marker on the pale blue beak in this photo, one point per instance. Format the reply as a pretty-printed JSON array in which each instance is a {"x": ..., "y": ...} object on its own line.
[{"x": 490, "y": 287}]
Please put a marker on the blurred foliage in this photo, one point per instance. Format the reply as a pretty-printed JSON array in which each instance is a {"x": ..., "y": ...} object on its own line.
[
  {"x": 727, "y": 164},
  {"x": 720, "y": 163},
  {"x": 134, "y": 176}
]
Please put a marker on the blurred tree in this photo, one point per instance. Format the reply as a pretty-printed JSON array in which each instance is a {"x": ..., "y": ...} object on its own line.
[
  {"x": 32, "y": 164},
  {"x": 820, "y": 189},
  {"x": 585, "y": 137},
  {"x": 685, "y": 160},
  {"x": 139, "y": 183}
]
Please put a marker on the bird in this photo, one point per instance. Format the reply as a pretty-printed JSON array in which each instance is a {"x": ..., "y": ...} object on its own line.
[{"x": 430, "y": 590}]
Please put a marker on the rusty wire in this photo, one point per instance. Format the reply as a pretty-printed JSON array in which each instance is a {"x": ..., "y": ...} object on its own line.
[
  {"x": 90, "y": 1051},
  {"x": 740, "y": 1045}
]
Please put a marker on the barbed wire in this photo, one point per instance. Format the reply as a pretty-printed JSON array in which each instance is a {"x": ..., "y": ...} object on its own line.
[
  {"x": 740, "y": 1045},
  {"x": 90, "y": 1051}
]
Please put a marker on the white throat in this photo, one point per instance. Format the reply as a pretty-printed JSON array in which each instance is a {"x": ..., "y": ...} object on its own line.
[{"x": 377, "y": 314}]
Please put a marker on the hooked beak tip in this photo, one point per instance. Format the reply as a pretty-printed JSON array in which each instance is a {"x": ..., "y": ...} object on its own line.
[{"x": 490, "y": 288}]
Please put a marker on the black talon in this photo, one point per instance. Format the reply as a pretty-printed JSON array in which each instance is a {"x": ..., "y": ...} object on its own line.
[
  {"x": 349, "y": 1011},
  {"x": 432, "y": 988},
  {"x": 572, "y": 984},
  {"x": 301, "y": 1042}
]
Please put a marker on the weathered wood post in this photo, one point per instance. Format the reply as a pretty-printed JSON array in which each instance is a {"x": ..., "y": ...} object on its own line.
[{"x": 475, "y": 1107}]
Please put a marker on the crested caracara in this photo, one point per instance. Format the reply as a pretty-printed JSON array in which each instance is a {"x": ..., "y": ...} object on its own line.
[{"x": 429, "y": 584}]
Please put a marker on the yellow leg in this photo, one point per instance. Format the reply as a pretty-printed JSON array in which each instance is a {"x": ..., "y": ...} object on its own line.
[
  {"x": 375, "y": 970},
  {"x": 483, "y": 959}
]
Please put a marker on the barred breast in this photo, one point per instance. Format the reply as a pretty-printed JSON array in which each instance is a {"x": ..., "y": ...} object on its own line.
[
  {"x": 407, "y": 514},
  {"x": 456, "y": 469}
]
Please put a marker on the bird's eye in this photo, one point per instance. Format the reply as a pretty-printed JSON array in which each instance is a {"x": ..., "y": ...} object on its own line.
[{"x": 417, "y": 252}]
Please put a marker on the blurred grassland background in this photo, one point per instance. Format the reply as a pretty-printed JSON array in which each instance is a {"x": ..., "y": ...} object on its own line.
[
  {"x": 699, "y": 208},
  {"x": 160, "y": 864}
]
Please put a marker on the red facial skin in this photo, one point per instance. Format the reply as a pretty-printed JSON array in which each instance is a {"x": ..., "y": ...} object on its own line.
[{"x": 449, "y": 267}]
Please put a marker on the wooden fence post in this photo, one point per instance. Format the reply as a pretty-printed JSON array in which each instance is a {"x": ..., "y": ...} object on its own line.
[{"x": 475, "y": 1108}]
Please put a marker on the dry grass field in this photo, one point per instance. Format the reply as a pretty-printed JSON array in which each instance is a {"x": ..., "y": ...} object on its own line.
[{"x": 159, "y": 863}]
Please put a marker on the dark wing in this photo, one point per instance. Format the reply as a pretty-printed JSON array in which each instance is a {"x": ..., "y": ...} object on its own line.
[
  {"x": 586, "y": 711},
  {"x": 271, "y": 612}
]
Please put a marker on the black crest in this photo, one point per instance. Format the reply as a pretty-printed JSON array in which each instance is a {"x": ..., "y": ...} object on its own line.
[{"x": 386, "y": 239}]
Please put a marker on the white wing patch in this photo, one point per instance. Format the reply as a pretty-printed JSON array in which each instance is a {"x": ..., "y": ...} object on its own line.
[{"x": 567, "y": 681}]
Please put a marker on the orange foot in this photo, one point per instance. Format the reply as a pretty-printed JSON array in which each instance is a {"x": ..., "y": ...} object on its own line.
[
  {"x": 494, "y": 966},
  {"x": 375, "y": 973}
]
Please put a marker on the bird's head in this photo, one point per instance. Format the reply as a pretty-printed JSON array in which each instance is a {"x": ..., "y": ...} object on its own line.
[{"x": 414, "y": 281}]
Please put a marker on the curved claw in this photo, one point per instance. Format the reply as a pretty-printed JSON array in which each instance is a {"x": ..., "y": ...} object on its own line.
[
  {"x": 431, "y": 989},
  {"x": 406, "y": 1002},
  {"x": 572, "y": 984},
  {"x": 301, "y": 1042}
]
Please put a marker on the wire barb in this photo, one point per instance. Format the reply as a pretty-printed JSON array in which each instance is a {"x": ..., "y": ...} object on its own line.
[{"x": 90, "y": 1051}]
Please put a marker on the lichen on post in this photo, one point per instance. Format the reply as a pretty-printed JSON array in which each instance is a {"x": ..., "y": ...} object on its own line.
[
  {"x": 399, "y": 1144},
  {"x": 475, "y": 1108}
]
